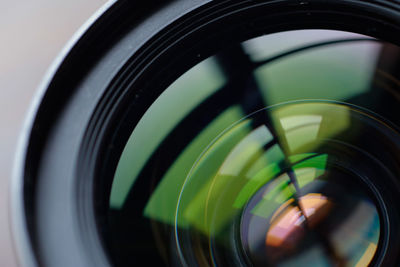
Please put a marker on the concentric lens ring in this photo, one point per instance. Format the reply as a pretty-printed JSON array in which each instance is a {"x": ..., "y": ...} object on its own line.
[{"x": 301, "y": 176}]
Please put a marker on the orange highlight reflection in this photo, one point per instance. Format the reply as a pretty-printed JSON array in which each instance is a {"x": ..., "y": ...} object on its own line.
[{"x": 288, "y": 224}]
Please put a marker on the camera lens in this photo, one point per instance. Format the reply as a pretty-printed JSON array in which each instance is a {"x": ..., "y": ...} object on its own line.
[
  {"x": 272, "y": 152},
  {"x": 218, "y": 133}
]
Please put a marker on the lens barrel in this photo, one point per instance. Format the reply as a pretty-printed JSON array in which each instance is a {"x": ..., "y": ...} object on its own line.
[{"x": 207, "y": 133}]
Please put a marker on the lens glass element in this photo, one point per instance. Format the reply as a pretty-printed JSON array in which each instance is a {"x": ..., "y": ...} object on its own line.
[
  {"x": 273, "y": 152},
  {"x": 290, "y": 191}
]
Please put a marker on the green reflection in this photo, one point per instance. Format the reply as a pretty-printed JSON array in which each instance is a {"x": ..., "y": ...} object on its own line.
[
  {"x": 228, "y": 177},
  {"x": 163, "y": 115},
  {"x": 281, "y": 189},
  {"x": 336, "y": 72},
  {"x": 228, "y": 172},
  {"x": 163, "y": 202},
  {"x": 303, "y": 126},
  {"x": 210, "y": 201}
]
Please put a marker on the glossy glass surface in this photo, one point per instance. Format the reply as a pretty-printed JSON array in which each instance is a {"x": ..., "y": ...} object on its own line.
[{"x": 266, "y": 154}]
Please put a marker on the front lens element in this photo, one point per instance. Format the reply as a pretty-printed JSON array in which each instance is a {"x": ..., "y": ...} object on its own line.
[{"x": 279, "y": 151}]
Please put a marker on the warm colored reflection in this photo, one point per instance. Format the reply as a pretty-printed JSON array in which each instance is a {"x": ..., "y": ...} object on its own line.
[
  {"x": 290, "y": 222},
  {"x": 367, "y": 256}
]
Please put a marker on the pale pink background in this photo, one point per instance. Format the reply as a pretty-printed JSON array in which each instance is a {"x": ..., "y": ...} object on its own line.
[{"x": 32, "y": 33}]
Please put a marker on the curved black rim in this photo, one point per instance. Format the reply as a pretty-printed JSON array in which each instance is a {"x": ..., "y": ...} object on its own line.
[{"x": 177, "y": 47}]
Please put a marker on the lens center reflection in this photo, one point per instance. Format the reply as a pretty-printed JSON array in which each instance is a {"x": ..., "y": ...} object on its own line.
[
  {"x": 290, "y": 222},
  {"x": 333, "y": 223}
]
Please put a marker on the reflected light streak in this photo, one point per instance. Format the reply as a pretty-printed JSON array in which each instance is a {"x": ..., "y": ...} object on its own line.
[{"x": 288, "y": 225}]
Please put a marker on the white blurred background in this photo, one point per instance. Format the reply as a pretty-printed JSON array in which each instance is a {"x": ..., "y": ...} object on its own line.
[{"x": 32, "y": 33}]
